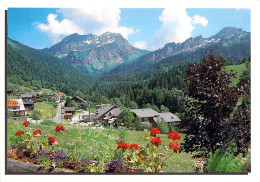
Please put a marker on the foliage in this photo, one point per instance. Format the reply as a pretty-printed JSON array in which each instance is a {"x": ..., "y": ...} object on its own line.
[
  {"x": 126, "y": 118},
  {"x": 138, "y": 125},
  {"x": 225, "y": 161},
  {"x": 164, "y": 109},
  {"x": 36, "y": 114},
  {"x": 213, "y": 100},
  {"x": 163, "y": 127}
]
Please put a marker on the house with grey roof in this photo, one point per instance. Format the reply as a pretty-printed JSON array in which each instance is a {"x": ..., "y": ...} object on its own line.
[
  {"x": 146, "y": 114},
  {"x": 79, "y": 100},
  {"x": 167, "y": 117},
  {"x": 101, "y": 112}
]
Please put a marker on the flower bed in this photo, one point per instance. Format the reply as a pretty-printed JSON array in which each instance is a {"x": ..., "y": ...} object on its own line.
[{"x": 37, "y": 147}]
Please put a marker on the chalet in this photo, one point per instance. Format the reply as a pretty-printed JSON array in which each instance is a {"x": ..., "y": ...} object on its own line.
[
  {"x": 167, "y": 117},
  {"x": 112, "y": 115},
  {"x": 28, "y": 100},
  {"x": 69, "y": 112},
  {"x": 79, "y": 100},
  {"x": 10, "y": 92},
  {"x": 101, "y": 112},
  {"x": 102, "y": 105},
  {"x": 17, "y": 108},
  {"x": 58, "y": 97},
  {"x": 146, "y": 114}
]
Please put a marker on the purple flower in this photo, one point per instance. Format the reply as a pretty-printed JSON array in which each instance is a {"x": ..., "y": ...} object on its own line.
[
  {"x": 43, "y": 153},
  {"x": 60, "y": 155},
  {"x": 114, "y": 165}
]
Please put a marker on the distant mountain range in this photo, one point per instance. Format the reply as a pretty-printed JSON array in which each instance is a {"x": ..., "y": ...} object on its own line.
[
  {"x": 94, "y": 53},
  {"x": 84, "y": 60},
  {"x": 223, "y": 44}
]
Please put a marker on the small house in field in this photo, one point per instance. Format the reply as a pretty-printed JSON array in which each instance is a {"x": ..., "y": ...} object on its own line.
[
  {"x": 101, "y": 112},
  {"x": 17, "y": 108},
  {"x": 167, "y": 117},
  {"x": 69, "y": 112},
  {"x": 112, "y": 115},
  {"x": 146, "y": 114},
  {"x": 58, "y": 97},
  {"x": 28, "y": 100},
  {"x": 79, "y": 101}
]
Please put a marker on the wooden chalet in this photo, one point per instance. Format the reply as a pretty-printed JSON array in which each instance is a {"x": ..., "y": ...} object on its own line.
[{"x": 17, "y": 108}]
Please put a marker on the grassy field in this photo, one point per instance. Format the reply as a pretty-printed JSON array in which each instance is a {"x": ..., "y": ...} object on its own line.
[
  {"x": 97, "y": 144},
  {"x": 238, "y": 68},
  {"x": 45, "y": 108}
]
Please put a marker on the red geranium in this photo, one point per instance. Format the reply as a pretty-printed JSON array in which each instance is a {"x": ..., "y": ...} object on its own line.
[
  {"x": 51, "y": 140},
  {"x": 123, "y": 145},
  {"x": 37, "y": 133},
  {"x": 19, "y": 133},
  {"x": 175, "y": 145},
  {"x": 60, "y": 127},
  {"x": 134, "y": 145},
  {"x": 26, "y": 123},
  {"x": 154, "y": 131},
  {"x": 174, "y": 135},
  {"x": 156, "y": 141}
]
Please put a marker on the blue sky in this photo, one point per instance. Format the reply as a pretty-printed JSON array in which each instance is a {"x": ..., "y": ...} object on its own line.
[{"x": 144, "y": 28}]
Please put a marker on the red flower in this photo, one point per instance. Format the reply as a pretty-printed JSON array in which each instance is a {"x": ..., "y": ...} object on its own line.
[
  {"x": 51, "y": 140},
  {"x": 175, "y": 145},
  {"x": 156, "y": 141},
  {"x": 26, "y": 123},
  {"x": 37, "y": 133},
  {"x": 134, "y": 145},
  {"x": 123, "y": 145},
  {"x": 154, "y": 131},
  {"x": 19, "y": 133},
  {"x": 174, "y": 135},
  {"x": 60, "y": 127}
]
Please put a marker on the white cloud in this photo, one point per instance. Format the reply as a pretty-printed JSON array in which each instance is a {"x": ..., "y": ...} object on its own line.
[
  {"x": 85, "y": 21},
  {"x": 197, "y": 19},
  {"x": 141, "y": 45},
  {"x": 176, "y": 27},
  {"x": 55, "y": 29}
]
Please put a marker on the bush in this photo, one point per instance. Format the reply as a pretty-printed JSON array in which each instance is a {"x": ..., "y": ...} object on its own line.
[
  {"x": 163, "y": 127},
  {"x": 224, "y": 161},
  {"x": 138, "y": 125}
]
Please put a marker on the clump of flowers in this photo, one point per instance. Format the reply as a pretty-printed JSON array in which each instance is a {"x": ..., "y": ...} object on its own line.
[
  {"x": 19, "y": 133},
  {"x": 51, "y": 140},
  {"x": 123, "y": 145},
  {"x": 115, "y": 166},
  {"x": 154, "y": 131},
  {"x": 59, "y": 128},
  {"x": 26, "y": 123},
  {"x": 59, "y": 157},
  {"x": 174, "y": 135},
  {"x": 135, "y": 146},
  {"x": 175, "y": 145},
  {"x": 37, "y": 133},
  {"x": 156, "y": 141}
]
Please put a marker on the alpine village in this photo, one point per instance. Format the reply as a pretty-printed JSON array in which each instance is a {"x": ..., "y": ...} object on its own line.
[{"x": 96, "y": 104}]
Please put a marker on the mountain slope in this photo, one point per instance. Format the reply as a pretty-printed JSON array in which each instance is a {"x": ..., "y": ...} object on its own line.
[
  {"x": 95, "y": 53},
  {"x": 224, "y": 40},
  {"x": 31, "y": 67}
]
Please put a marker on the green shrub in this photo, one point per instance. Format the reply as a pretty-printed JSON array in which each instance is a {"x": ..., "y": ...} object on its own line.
[
  {"x": 225, "y": 161},
  {"x": 163, "y": 127}
]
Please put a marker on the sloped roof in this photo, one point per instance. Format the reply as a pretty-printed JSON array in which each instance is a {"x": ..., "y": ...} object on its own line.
[
  {"x": 104, "y": 110},
  {"x": 167, "y": 117},
  {"x": 12, "y": 103},
  {"x": 78, "y": 98},
  {"x": 113, "y": 113},
  {"x": 145, "y": 112},
  {"x": 66, "y": 109},
  {"x": 59, "y": 94},
  {"x": 26, "y": 95},
  {"x": 15, "y": 103}
]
